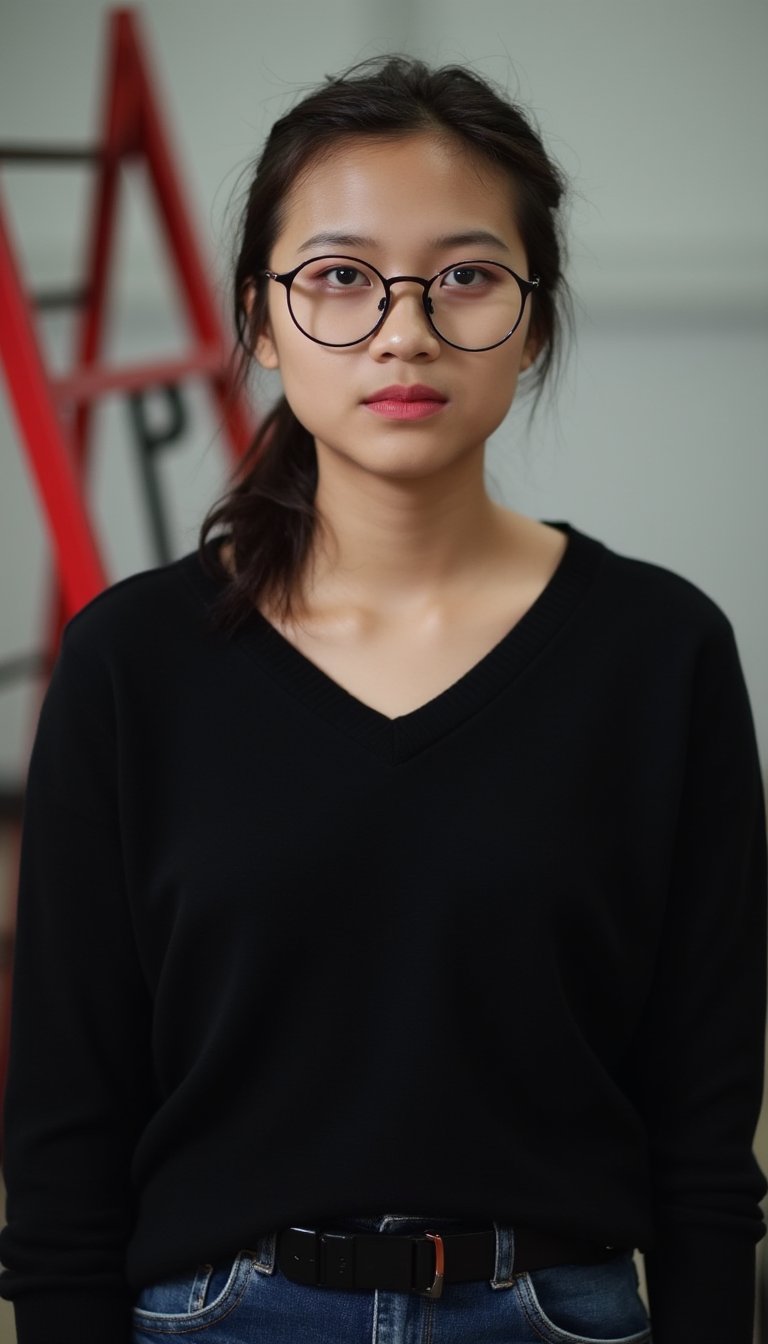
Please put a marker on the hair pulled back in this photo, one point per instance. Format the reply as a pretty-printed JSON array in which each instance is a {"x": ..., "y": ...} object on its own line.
[{"x": 269, "y": 512}]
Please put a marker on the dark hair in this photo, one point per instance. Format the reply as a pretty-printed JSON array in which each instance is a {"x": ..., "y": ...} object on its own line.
[{"x": 269, "y": 512}]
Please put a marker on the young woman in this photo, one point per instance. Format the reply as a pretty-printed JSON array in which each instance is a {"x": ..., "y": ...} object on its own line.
[{"x": 391, "y": 941}]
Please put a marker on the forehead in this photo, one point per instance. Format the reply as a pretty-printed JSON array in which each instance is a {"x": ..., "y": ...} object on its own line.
[{"x": 399, "y": 192}]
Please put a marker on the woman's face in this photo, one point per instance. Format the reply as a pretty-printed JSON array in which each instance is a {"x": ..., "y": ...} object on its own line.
[{"x": 409, "y": 206}]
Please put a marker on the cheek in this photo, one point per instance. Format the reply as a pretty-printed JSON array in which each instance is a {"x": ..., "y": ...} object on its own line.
[
  {"x": 494, "y": 388},
  {"x": 312, "y": 382},
  {"x": 505, "y": 366}
]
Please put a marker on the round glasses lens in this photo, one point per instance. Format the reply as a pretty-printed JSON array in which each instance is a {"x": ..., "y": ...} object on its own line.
[
  {"x": 475, "y": 304},
  {"x": 337, "y": 300}
]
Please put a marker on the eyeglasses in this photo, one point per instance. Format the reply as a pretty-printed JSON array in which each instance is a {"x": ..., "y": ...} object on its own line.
[{"x": 338, "y": 300}]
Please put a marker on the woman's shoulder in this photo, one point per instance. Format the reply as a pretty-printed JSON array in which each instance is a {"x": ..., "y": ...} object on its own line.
[
  {"x": 645, "y": 592},
  {"x": 146, "y": 609}
]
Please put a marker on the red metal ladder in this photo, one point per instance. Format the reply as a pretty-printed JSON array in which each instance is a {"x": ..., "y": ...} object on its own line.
[
  {"x": 53, "y": 413},
  {"x": 134, "y": 132}
]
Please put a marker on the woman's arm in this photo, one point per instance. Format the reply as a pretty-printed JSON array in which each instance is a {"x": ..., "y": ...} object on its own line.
[
  {"x": 79, "y": 1081},
  {"x": 697, "y": 1065}
]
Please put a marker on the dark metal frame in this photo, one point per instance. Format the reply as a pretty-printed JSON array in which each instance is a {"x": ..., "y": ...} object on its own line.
[{"x": 287, "y": 278}]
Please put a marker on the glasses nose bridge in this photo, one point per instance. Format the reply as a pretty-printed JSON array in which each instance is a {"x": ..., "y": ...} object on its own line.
[{"x": 413, "y": 279}]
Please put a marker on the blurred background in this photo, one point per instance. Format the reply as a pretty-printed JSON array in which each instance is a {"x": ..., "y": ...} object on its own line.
[{"x": 658, "y": 113}]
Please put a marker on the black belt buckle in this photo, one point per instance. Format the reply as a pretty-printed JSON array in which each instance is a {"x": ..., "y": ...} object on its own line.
[
  {"x": 327, "y": 1260},
  {"x": 299, "y": 1255},
  {"x": 317, "y": 1259}
]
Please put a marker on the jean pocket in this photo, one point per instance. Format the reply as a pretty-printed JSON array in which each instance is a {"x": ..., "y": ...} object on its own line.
[
  {"x": 586, "y": 1304},
  {"x": 195, "y": 1299}
]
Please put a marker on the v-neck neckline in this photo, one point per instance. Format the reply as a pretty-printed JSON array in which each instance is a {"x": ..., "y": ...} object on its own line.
[{"x": 398, "y": 739}]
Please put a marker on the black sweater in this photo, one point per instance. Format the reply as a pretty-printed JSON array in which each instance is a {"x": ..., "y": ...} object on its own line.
[{"x": 280, "y": 957}]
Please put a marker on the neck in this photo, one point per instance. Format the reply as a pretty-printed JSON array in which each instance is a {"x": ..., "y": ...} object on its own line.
[{"x": 399, "y": 546}]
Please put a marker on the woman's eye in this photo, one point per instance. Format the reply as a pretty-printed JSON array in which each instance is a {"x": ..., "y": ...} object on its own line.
[
  {"x": 467, "y": 277},
  {"x": 344, "y": 277}
]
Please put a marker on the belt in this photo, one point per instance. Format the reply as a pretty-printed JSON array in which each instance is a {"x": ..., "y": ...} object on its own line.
[{"x": 419, "y": 1262}]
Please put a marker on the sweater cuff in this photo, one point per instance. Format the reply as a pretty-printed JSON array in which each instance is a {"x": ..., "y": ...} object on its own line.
[
  {"x": 82, "y": 1316},
  {"x": 701, "y": 1286}
]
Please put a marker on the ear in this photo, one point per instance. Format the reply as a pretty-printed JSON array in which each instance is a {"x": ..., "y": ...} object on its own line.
[
  {"x": 531, "y": 350},
  {"x": 264, "y": 348}
]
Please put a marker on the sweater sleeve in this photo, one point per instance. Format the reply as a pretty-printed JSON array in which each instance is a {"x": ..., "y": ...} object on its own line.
[
  {"x": 79, "y": 1083},
  {"x": 698, "y": 1059}
]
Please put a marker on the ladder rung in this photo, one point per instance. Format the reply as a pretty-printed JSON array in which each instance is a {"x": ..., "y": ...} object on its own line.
[
  {"x": 26, "y": 154},
  {"x": 86, "y": 384},
  {"x": 11, "y": 801},
  {"x": 60, "y": 298},
  {"x": 21, "y": 665}
]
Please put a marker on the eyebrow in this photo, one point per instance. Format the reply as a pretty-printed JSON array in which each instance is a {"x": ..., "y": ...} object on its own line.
[{"x": 467, "y": 238}]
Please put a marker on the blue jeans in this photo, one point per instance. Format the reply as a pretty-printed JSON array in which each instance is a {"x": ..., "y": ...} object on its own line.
[{"x": 246, "y": 1299}]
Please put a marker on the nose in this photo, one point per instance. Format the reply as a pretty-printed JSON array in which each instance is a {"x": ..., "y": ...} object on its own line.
[{"x": 405, "y": 332}]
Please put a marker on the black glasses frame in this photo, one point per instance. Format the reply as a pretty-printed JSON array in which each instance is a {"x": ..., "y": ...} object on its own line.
[{"x": 287, "y": 278}]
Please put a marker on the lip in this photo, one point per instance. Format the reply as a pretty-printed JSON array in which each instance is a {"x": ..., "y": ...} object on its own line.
[
  {"x": 406, "y": 393},
  {"x": 413, "y": 401}
]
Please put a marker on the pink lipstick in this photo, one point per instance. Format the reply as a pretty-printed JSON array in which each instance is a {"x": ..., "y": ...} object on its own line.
[{"x": 400, "y": 402}]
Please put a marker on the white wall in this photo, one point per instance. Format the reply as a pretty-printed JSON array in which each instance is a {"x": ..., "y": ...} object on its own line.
[{"x": 657, "y": 110}]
